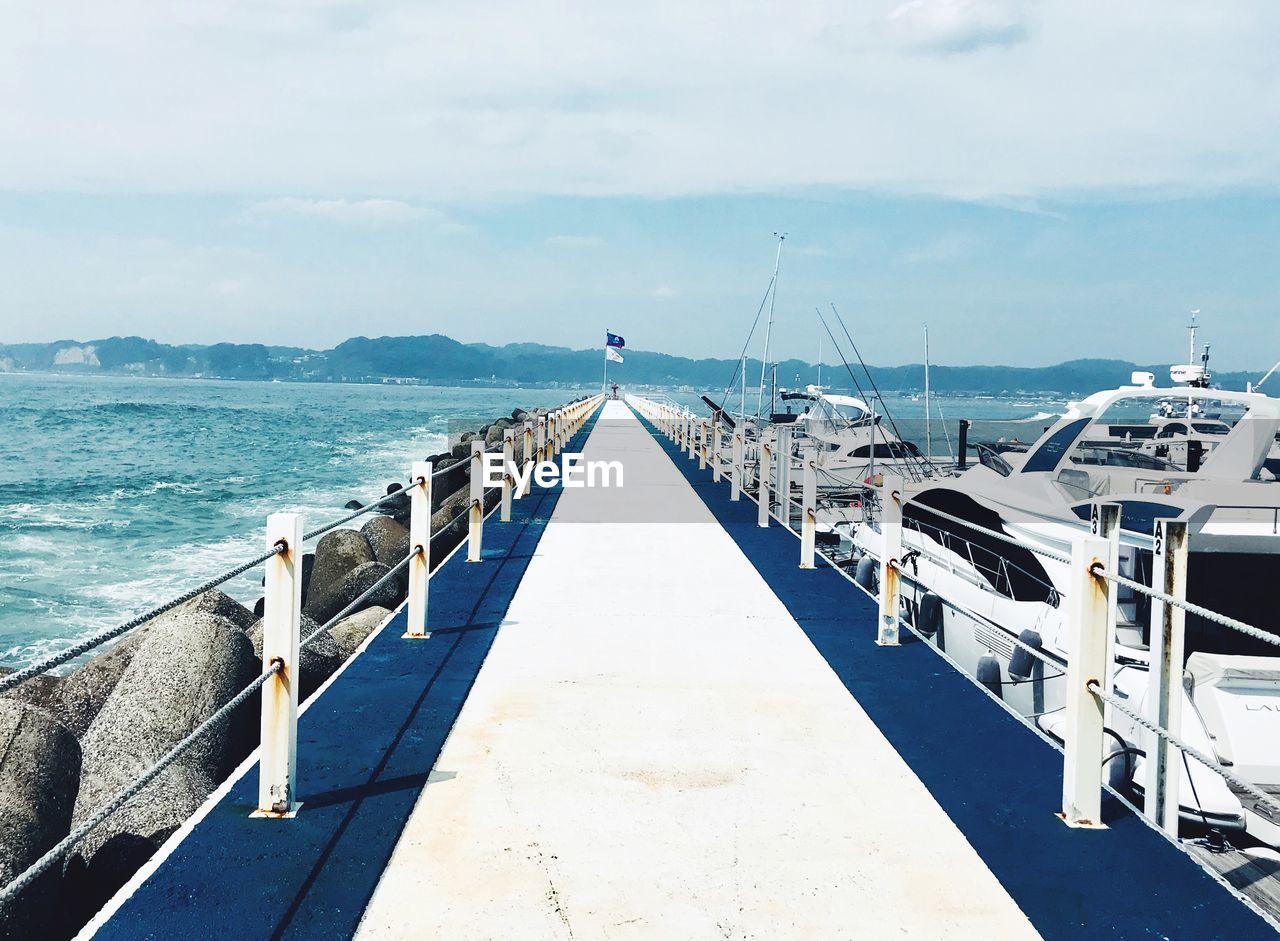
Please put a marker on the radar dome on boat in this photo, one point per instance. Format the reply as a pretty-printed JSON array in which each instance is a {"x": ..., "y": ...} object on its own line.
[
  {"x": 1144, "y": 379},
  {"x": 1190, "y": 373}
]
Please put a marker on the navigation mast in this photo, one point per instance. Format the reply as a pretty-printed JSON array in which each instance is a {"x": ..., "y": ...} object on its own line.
[
  {"x": 928, "y": 433},
  {"x": 764, "y": 360}
]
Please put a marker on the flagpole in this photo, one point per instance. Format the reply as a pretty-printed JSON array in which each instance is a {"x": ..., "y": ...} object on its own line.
[{"x": 604, "y": 386}]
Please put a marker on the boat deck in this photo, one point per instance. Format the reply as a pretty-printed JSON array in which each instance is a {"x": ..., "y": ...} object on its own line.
[{"x": 637, "y": 717}]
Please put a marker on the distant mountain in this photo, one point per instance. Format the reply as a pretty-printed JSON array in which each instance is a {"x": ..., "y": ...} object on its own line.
[{"x": 440, "y": 360}]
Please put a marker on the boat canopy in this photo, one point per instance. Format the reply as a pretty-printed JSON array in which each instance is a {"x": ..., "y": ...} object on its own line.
[{"x": 1237, "y": 455}]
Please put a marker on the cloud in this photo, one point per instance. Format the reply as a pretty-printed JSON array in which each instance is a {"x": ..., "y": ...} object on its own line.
[
  {"x": 942, "y": 249},
  {"x": 574, "y": 241},
  {"x": 342, "y": 211},
  {"x": 499, "y": 101},
  {"x": 665, "y": 293},
  {"x": 961, "y": 25}
]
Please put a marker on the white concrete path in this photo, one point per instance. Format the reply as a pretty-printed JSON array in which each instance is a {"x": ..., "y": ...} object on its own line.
[{"x": 654, "y": 749}]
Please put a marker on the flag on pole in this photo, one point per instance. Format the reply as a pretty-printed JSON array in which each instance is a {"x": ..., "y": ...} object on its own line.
[
  {"x": 611, "y": 355},
  {"x": 612, "y": 339}
]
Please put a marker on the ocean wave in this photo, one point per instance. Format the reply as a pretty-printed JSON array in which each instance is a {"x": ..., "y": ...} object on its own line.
[
  {"x": 181, "y": 529},
  {"x": 24, "y": 516}
]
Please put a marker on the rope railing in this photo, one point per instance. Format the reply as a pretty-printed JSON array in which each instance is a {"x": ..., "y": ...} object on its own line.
[
  {"x": 393, "y": 495},
  {"x": 1190, "y": 750},
  {"x": 831, "y": 475},
  {"x": 52, "y": 661},
  {"x": 18, "y": 677},
  {"x": 1088, "y": 623},
  {"x": 363, "y": 597},
  {"x": 1189, "y": 606},
  {"x": 449, "y": 525},
  {"x": 280, "y": 578},
  {"x": 121, "y": 797}
]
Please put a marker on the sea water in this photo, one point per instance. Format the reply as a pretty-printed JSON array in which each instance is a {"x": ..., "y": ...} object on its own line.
[{"x": 118, "y": 493}]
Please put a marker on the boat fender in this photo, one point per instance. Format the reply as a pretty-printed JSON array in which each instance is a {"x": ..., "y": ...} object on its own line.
[
  {"x": 988, "y": 674},
  {"x": 930, "y": 618},
  {"x": 1021, "y": 664},
  {"x": 868, "y": 574}
]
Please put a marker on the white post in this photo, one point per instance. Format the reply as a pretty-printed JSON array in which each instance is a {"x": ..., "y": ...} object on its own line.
[
  {"x": 281, "y": 622},
  {"x": 508, "y": 465},
  {"x": 783, "y": 458},
  {"x": 892, "y": 496},
  {"x": 475, "y": 522},
  {"x": 1105, "y": 522},
  {"x": 715, "y": 448},
  {"x": 690, "y": 435},
  {"x": 1168, "y": 645},
  {"x": 419, "y": 538},
  {"x": 526, "y": 456},
  {"x": 735, "y": 483},
  {"x": 703, "y": 435},
  {"x": 1086, "y": 603},
  {"x": 809, "y": 521},
  {"x": 542, "y": 438},
  {"x": 763, "y": 494}
]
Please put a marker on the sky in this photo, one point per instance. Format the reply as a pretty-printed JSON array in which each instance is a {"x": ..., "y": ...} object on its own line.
[{"x": 1037, "y": 181}]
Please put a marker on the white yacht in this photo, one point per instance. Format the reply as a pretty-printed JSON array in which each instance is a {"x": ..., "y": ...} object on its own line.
[
  {"x": 847, "y": 438},
  {"x": 972, "y": 594}
]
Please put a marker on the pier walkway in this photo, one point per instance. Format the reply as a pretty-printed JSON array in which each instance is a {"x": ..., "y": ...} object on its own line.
[
  {"x": 637, "y": 718},
  {"x": 654, "y": 749}
]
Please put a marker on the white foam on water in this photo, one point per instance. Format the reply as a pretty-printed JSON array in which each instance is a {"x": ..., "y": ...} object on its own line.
[{"x": 105, "y": 595}]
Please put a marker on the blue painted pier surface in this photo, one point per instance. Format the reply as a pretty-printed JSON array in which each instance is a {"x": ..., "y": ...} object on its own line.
[
  {"x": 366, "y": 747},
  {"x": 998, "y": 781},
  {"x": 642, "y": 719}
]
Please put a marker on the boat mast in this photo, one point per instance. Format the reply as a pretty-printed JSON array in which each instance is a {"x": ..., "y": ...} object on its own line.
[
  {"x": 872, "y": 468},
  {"x": 764, "y": 361},
  {"x": 1191, "y": 346},
  {"x": 928, "y": 433},
  {"x": 1191, "y": 359},
  {"x": 819, "y": 364},
  {"x": 743, "y": 400},
  {"x": 1254, "y": 387}
]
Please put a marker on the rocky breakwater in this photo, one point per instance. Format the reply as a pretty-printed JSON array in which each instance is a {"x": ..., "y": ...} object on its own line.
[{"x": 69, "y": 744}]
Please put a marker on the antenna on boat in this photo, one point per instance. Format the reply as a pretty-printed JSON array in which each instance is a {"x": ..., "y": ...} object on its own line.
[
  {"x": 742, "y": 357},
  {"x": 871, "y": 379},
  {"x": 777, "y": 263},
  {"x": 1191, "y": 348},
  {"x": 928, "y": 433},
  {"x": 1254, "y": 387},
  {"x": 912, "y": 470}
]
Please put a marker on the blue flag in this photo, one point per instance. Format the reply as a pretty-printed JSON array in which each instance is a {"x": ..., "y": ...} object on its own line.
[{"x": 612, "y": 339}]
